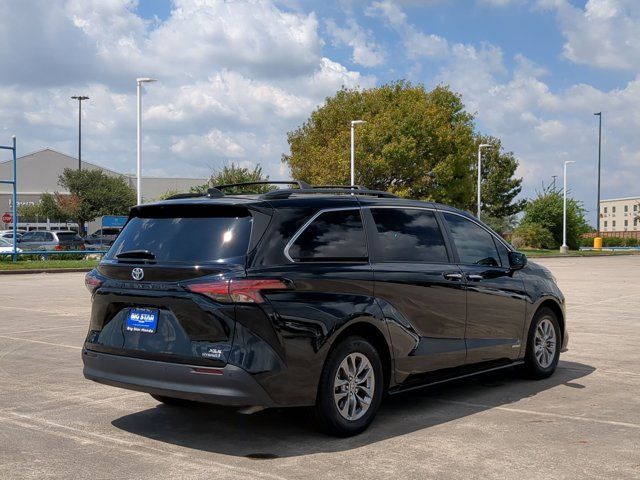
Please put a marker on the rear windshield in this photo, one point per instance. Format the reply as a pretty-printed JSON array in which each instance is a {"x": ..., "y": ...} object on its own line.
[
  {"x": 187, "y": 234},
  {"x": 68, "y": 237}
]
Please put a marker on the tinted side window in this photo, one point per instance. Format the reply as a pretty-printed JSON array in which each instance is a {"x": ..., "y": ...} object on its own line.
[
  {"x": 28, "y": 237},
  {"x": 408, "y": 235},
  {"x": 474, "y": 244},
  {"x": 47, "y": 237},
  {"x": 332, "y": 236}
]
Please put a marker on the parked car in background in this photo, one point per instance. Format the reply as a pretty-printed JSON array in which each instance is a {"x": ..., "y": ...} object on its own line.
[
  {"x": 8, "y": 234},
  {"x": 103, "y": 237},
  {"x": 51, "y": 240},
  {"x": 6, "y": 246},
  {"x": 325, "y": 297}
]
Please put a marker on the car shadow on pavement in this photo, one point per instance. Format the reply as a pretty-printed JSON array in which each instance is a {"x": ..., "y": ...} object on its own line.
[{"x": 288, "y": 432}]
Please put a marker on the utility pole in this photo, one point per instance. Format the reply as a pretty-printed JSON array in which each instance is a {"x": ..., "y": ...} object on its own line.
[
  {"x": 599, "y": 114},
  {"x": 353, "y": 150},
  {"x": 480, "y": 147}
]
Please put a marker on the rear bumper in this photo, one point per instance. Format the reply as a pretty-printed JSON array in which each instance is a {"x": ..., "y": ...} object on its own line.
[{"x": 233, "y": 387}]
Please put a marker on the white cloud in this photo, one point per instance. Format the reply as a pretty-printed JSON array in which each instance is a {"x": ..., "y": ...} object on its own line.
[
  {"x": 366, "y": 51},
  {"x": 416, "y": 43},
  {"x": 603, "y": 34},
  {"x": 234, "y": 77},
  {"x": 501, "y": 3},
  {"x": 542, "y": 125}
]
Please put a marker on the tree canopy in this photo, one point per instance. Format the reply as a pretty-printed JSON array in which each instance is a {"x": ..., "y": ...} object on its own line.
[
  {"x": 415, "y": 143},
  {"x": 233, "y": 173},
  {"x": 541, "y": 225},
  {"x": 92, "y": 193}
]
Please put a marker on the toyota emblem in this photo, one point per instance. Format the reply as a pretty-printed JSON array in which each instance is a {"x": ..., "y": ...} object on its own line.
[{"x": 137, "y": 273}]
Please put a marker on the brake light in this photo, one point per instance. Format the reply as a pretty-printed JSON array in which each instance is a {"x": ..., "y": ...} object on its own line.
[
  {"x": 91, "y": 281},
  {"x": 58, "y": 247},
  {"x": 240, "y": 290}
]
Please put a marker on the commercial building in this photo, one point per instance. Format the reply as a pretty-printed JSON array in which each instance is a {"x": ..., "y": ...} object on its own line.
[
  {"x": 620, "y": 215},
  {"x": 38, "y": 173}
]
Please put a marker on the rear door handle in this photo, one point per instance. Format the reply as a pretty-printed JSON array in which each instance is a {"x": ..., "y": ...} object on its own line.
[
  {"x": 452, "y": 276},
  {"x": 474, "y": 277}
]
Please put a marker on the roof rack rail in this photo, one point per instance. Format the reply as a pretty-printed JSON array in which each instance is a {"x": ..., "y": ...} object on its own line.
[
  {"x": 351, "y": 187},
  {"x": 301, "y": 185},
  {"x": 286, "y": 193}
]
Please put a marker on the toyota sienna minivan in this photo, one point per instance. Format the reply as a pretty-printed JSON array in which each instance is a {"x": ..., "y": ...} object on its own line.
[{"x": 328, "y": 297}]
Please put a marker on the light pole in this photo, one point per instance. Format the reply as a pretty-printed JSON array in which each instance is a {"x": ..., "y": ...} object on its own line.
[
  {"x": 353, "y": 150},
  {"x": 564, "y": 248},
  {"x": 80, "y": 98},
  {"x": 139, "y": 82},
  {"x": 599, "y": 115},
  {"x": 480, "y": 147}
]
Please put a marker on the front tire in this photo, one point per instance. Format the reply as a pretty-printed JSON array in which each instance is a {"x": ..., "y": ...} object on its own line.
[
  {"x": 543, "y": 345},
  {"x": 351, "y": 388}
]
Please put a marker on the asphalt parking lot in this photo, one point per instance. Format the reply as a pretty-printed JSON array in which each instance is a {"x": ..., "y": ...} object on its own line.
[{"x": 584, "y": 422}]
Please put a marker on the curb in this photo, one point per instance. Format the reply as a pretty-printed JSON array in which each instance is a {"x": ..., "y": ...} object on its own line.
[
  {"x": 43, "y": 270},
  {"x": 584, "y": 256}
]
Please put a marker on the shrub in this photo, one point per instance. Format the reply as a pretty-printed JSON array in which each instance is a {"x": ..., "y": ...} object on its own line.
[
  {"x": 532, "y": 235},
  {"x": 612, "y": 242}
]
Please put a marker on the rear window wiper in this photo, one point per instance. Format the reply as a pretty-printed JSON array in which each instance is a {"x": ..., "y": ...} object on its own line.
[{"x": 137, "y": 254}]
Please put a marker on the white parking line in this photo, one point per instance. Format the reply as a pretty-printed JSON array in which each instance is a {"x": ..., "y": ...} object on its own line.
[
  {"x": 44, "y": 329},
  {"x": 541, "y": 414},
  {"x": 48, "y": 312},
  {"x": 41, "y": 342},
  {"x": 99, "y": 439}
]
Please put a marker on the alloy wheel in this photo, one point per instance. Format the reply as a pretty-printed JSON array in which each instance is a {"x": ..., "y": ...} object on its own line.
[
  {"x": 545, "y": 343},
  {"x": 354, "y": 386}
]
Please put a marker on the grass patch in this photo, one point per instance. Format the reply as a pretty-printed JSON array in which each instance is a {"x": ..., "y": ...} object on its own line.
[
  {"x": 576, "y": 253},
  {"x": 7, "y": 264}
]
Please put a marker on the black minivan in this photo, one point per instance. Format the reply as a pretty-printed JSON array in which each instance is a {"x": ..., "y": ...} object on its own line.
[{"x": 313, "y": 296}]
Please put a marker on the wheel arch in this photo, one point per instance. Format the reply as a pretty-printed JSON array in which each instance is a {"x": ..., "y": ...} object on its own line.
[
  {"x": 371, "y": 333},
  {"x": 556, "y": 309}
]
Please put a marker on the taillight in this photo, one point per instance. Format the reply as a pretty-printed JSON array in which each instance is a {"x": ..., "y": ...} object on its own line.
[
  {"x": 58, "y": 247},
  {"x": 91, "y": 281},
  {"x": 239, "y": 290}
]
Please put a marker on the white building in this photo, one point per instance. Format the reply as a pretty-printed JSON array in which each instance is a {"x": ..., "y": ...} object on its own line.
[
  {"x": 38, "y": 173},
  {"x": 620, "y": 214}
]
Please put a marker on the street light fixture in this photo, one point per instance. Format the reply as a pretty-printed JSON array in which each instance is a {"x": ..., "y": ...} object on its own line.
[
  {"x": 80, "y": 98},
  {"x": 480, "y": 147},
  {"x": 353, "y": 150},
  {"x": 139, "y": 82},
  {"x": 564, "y": 248}
]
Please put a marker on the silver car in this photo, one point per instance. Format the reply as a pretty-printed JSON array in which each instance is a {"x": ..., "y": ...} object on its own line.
[{"x": 51, "y": 240}]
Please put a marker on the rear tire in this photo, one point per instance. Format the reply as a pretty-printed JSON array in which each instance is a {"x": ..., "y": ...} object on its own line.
[
  {"x": 543, "y": 345},
  {"x": 351, "y": 388},
  {"x": 171, "y": 401}
]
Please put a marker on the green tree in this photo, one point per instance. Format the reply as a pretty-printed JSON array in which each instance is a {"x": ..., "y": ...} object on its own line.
[
  {"x": 92, "y": 193},
  {"x": 546, "y": 211},
  {"x": 416, "y": 143},
  {"x": 233, "y": 173},
  {"x": 169, "y": 193}
]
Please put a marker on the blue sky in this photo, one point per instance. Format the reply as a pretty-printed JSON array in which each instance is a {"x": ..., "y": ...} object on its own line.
[{"x": 236, "y": 75}]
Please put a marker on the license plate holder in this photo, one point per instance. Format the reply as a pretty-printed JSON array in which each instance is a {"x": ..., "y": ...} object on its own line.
[{"x": 143, "y": 320}]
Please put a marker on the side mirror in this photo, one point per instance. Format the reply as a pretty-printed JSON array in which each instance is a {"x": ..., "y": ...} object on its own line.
[{"x": 517, "y": 260}]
